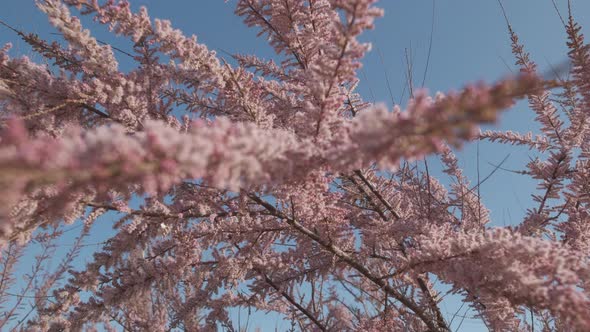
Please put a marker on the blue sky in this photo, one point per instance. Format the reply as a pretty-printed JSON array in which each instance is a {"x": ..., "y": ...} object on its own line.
[{"x": 470, "y": 43}]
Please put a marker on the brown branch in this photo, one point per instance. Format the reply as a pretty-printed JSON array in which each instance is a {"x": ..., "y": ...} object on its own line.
[
  {"x": 291, "y": 300},
  {"x": 353, "y": 263},
  {"x": 421, "y": 282}
]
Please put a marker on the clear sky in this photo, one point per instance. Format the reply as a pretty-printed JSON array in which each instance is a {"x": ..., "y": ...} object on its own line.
[{"x": 470, "y": 42}]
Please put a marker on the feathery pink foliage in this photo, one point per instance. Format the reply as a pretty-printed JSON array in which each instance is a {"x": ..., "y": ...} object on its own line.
[{"x": 286, "y": 182}]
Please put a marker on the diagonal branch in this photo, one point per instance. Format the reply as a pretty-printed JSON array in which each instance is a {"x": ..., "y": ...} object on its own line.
[{"x": 352, "y": 262}]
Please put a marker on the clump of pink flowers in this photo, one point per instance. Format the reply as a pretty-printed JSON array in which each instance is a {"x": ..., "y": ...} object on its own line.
[{"x": 273, "y": 186}]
